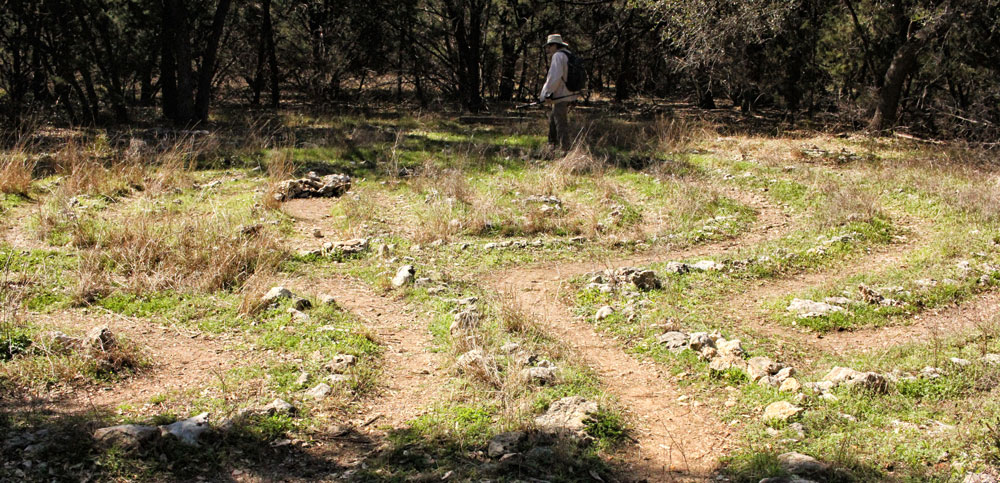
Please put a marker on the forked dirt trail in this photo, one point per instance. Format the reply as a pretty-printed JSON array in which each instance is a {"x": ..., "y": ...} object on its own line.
[
  {"x": 411, "y": 374},
  {"x": 675, "y": 440}
]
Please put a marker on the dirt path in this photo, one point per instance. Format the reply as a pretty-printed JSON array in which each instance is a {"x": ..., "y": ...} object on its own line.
[
  {"x": 943, "y": 322},
  {"x": 677, "y": 438},
  {"x": 412, "y": 375},
  {"x": 674, "y": 437},
  {"x": 181, "y": 359},
  {"x": 309, "y": 214}
]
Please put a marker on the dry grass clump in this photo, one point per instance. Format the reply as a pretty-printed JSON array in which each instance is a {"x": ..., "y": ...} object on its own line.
[
  {"x": 281, "y": 166},
  {"x": 675, "y": 135},
  {"x": 16, "y": 173},
  {"x": 845, "y": 203},
  {"x": 580, "y": 161},
  {"x": 153, "y": 252}
]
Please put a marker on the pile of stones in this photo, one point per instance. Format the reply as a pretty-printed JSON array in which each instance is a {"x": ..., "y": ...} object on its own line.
[{"x": 313, "y": 186}]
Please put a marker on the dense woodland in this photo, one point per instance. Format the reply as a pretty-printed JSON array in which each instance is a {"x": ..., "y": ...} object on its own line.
[{"x": 929, "y": 65}]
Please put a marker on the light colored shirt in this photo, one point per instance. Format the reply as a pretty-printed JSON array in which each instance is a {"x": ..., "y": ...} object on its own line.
[{"x": 555, "y": 82}]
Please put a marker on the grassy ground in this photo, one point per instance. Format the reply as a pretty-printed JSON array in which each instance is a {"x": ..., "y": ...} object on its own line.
[{"x": 174, "y": 239}]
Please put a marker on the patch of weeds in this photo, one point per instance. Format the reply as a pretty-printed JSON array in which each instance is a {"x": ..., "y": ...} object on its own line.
[{"x": 608, "y": 427}]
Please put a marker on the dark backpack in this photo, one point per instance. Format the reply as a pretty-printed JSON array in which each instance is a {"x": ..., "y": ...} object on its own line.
[{"x": 576, "y": 75}]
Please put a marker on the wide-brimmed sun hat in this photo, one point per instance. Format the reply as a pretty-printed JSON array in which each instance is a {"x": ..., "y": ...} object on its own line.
[{"x": 555, "y": 39}]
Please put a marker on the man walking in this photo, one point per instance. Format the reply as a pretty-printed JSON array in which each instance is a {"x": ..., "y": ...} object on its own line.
[{"x": 556, "y": 93}]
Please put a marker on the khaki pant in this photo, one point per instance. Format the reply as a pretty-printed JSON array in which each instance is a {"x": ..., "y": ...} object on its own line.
[{"x": 559, "y": 134}]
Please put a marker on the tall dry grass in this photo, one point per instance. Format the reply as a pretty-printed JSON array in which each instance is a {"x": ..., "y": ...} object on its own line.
[
  {"x": 16, "y": 171},
  {"x": 154, "y": 252}
]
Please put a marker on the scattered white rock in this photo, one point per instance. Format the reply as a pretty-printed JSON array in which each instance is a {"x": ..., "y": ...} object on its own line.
[
  {"x": 980, "y": 478},
  {"x": 279, "y": 406},
  {"x": 801, "y": 464},
  {"x": 811, "y": 308},
  {"x": 504, "y": 443},
  {"x": 333, "y": 185},
  {"x": 781, "y": 410},
  {"x": 100, "y": 338},
  {"x": 790, "y": 385},
  {"x": 730, "y": 347},
  {"x": 327, "y": 299},
  {"x": 276, "y": 294},
  {"x": 675, "y": 341},
  {"x": 298, "y": 314},
  {"x": 604, "y": 312},
  {"x": 189, "y": 430},
  {"x": 707, "y": 266},
  {"x": 960, "y": 362},
  {"x": 992, "y": 359},
  {"x": 404, "y": 276},
  {"x": 320, "y": 391},
  {"x": 567, "y": 414},
  {"x": 340, "y": 363},
  {"x": 678, "y": 268}
]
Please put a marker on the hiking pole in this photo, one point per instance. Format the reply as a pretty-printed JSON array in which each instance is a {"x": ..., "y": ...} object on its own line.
[{"x": 550, "y": 98}]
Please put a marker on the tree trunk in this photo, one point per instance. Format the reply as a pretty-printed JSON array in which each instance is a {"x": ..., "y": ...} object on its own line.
[
  {"x": 208, "y": 60},
  {"x": 272, "y": 55},
  {"x": 904, "y": 63}
]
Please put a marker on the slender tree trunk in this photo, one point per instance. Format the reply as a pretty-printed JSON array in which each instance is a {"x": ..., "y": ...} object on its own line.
[
  {"x": 272, "y": 55},
  {"x": 208, "y": 61},
  {"x": 904, "y": 63}
]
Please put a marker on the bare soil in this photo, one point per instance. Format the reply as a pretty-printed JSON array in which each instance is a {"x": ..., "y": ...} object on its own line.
[{"x": 412, "y": 374}]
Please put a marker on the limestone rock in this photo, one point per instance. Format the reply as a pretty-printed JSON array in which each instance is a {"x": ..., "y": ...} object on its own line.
[
  {"x": 980, "y": 478},
  {"x": 707, "y": 266},
  {"x": 801, "y": 464},
  {"x": 189, "y": 430},
  {"x": 727, "y": 361},
  {"x": 313, "y": 186},
  {"x": 730, "y": 347},
  {"x": 340, "y": 363},
  {"x": 298, "y": 314},
  {"x": 675, "y": 341},
  {"x": 504, "y": 443},
  {"x": 320, "y": 391},
  {"x": 960, "y": 362},
  {"x": 404, "y": 276},
  {"x": 811, "y": 308},
  {"x": 678, "y": 268},
  {"x": 100, "y": 338},
  {"x": 761, "y": 367},
  {"x": 646, "y": 280},
  {"x": 781, "y": 410},
  {"x": 790, "y": 385},
  {"x": 327, "y": 299},
  {"x": 698, "y": 340},
  {"x": 280, "y": 407},
  {"x": 127, "y": 436},
  {"x": 604, "y": 312},
  {"x": 567, "y": 414},
  {"x": 543, "y": 374},
  {"x": 275, "y": 294},
  {"x": 992, "y": 359}
]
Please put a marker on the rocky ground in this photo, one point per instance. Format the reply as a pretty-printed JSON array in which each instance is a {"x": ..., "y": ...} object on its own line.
[{"x": 739, "y": 309}]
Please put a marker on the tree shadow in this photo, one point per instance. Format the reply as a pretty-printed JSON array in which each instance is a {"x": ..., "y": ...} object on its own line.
[{"x": 42, "y": 442}]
